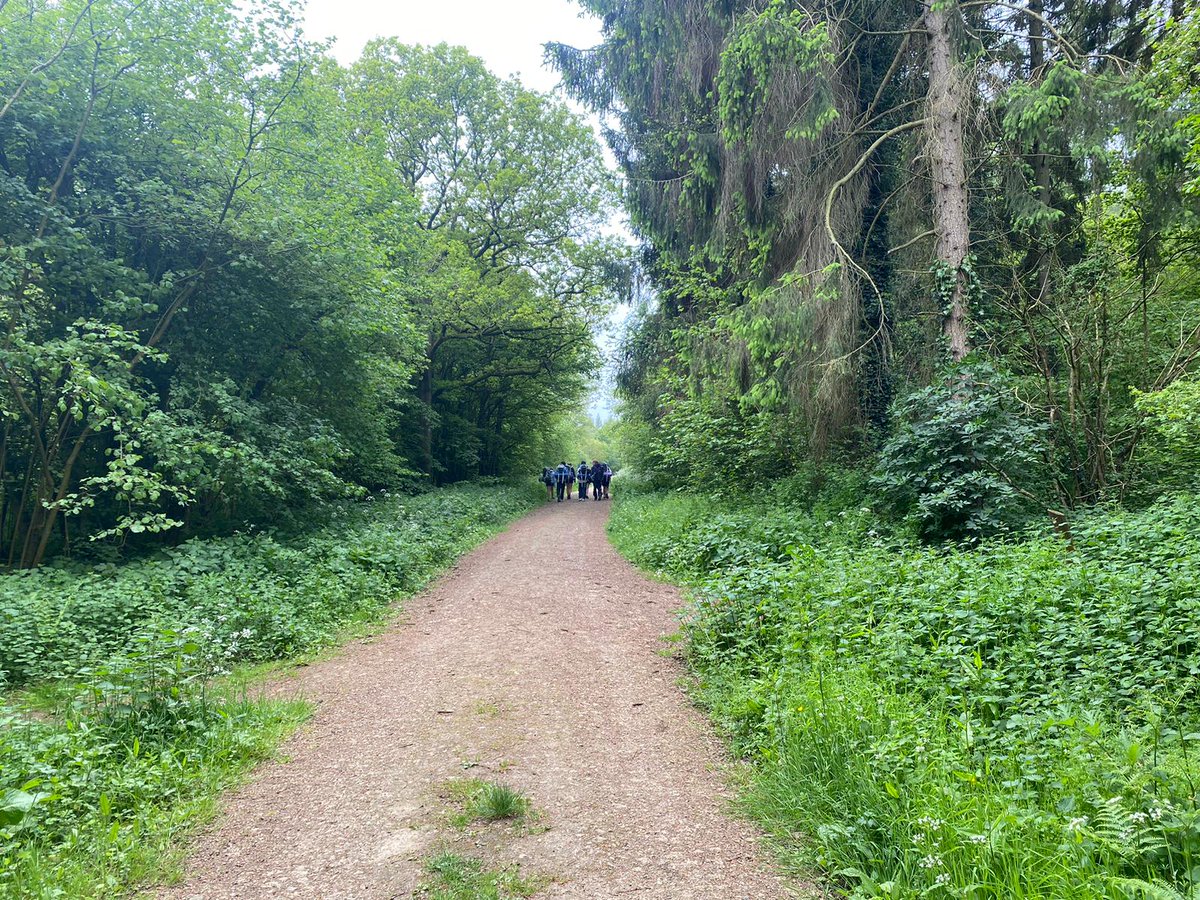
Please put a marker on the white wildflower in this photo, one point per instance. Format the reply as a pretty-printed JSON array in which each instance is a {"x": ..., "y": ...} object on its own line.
[
  {"x": 932, "y": 861},
  {"x": 1077, "y": 823},
  {"x": 918, "y": 838},
  {"x": 978, "y": 839},
  {"x": 943, "y": 878},
  {"x": 1138, "y": 817}
]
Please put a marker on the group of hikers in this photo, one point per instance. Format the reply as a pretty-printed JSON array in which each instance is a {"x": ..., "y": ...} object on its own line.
[{"x": 561, "y": 480}]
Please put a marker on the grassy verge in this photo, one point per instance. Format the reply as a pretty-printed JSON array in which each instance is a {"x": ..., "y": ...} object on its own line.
[
  {"x": 123, "y": 723},
  {"x": 1015, "y": 720}
]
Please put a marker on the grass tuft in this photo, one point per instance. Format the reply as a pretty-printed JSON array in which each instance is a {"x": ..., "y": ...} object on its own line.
[
  {"x": 499, "y": 801},
  {"x": 455, "y": 877}
]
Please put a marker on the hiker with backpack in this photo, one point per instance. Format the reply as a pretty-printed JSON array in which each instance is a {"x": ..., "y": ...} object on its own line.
[
  {"x": 597, "y": 473},
  {"x": 607, "y": 478},
  {"x": 547, "y": 478},
  {"x": 585, "y": 477},
  {"x": 560, "y": 479}
]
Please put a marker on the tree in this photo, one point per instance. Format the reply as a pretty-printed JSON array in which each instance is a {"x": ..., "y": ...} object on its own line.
[{"x": 514, "y": 271}]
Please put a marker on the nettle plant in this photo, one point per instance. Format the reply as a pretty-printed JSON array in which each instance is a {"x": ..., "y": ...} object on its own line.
[{"x": 964, "y": 458}]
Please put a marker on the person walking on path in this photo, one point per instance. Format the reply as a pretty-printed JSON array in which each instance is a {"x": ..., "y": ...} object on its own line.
[
  {"x": 597, "y": 480},
  {"x": 607, "y": 478},
  {"x": 560, "y": 479},
  {"x": 548, "y": 480},
  {"x": 585, "y": 475}
]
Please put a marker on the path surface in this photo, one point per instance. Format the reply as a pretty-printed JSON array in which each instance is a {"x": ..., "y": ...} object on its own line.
[{"x": 537, "y": 661}]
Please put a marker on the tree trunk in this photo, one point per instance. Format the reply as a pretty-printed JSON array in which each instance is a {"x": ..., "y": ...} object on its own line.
[
  {"x": 1039, "y": 160},
  {"x": 425, "y": 394},
  {"x": 948, "y": 168}
]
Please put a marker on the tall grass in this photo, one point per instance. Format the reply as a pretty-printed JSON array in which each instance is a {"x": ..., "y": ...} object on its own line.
[{"x": 1015, "y": 720}]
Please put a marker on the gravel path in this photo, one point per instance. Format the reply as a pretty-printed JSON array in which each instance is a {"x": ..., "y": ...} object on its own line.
[{"x": 538, "y": 661}]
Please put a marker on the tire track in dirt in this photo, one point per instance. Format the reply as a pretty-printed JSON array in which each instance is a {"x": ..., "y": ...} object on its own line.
[{"x": 539, "y": 656}]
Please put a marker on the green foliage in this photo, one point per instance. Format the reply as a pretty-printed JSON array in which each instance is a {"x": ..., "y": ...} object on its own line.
[
  {"x": 226, "y": 304},
  {"x": 963, "y": 455},
  {"x": 717, "y": 446},
  {"x": 778, "y": 36},
  {"x": 494, "y": 801},
  {"x": 1172, "y": 455},
  {"x": 506, "y": 291},
  {"x": 777, "y": 161},
  {"x": 455, "y": 877},
  {"x": 98, "y": 788},
  {"x": 253, "y": 596},
  {"x": 1013, "y": 720}
]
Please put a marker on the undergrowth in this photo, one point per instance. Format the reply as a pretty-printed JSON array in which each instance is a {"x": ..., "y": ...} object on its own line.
[
  {"x": 127, "y": 725},
  {"x": 1017, "y": 719},
  {"x": 250, "y": 596}
]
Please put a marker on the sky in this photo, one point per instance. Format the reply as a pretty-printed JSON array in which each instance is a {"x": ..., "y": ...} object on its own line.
[{"x": 506, "y": 34}]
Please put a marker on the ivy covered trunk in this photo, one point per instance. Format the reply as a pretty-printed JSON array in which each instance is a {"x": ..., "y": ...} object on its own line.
[{"x": 947, "y": 164}]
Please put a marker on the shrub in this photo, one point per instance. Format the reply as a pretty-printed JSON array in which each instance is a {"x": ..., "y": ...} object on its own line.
[{"x": 963, "y": 459}]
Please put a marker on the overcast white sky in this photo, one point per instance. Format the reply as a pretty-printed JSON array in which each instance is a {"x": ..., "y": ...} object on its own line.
[{"x": 507, "y": 34}]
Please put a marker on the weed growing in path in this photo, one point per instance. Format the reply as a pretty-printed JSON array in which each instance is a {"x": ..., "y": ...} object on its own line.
[
  {"x": 454, "y": 877},
  {"x": 476, "y": 800},
  {"x": 499, "y": 801}
]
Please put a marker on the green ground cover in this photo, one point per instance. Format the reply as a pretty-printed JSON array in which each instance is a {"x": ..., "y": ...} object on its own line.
[
  {"x": 1018, "y": 719},
  {"x": 125, "y": 718}
]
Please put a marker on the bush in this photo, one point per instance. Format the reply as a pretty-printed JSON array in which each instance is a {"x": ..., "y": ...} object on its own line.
[
  {"x": 963, "y": 459},
  {"x": 1010, "y": 720}
]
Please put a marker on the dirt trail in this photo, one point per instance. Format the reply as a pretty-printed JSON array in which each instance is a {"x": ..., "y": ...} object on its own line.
[{"x": 537, "y": 661}]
